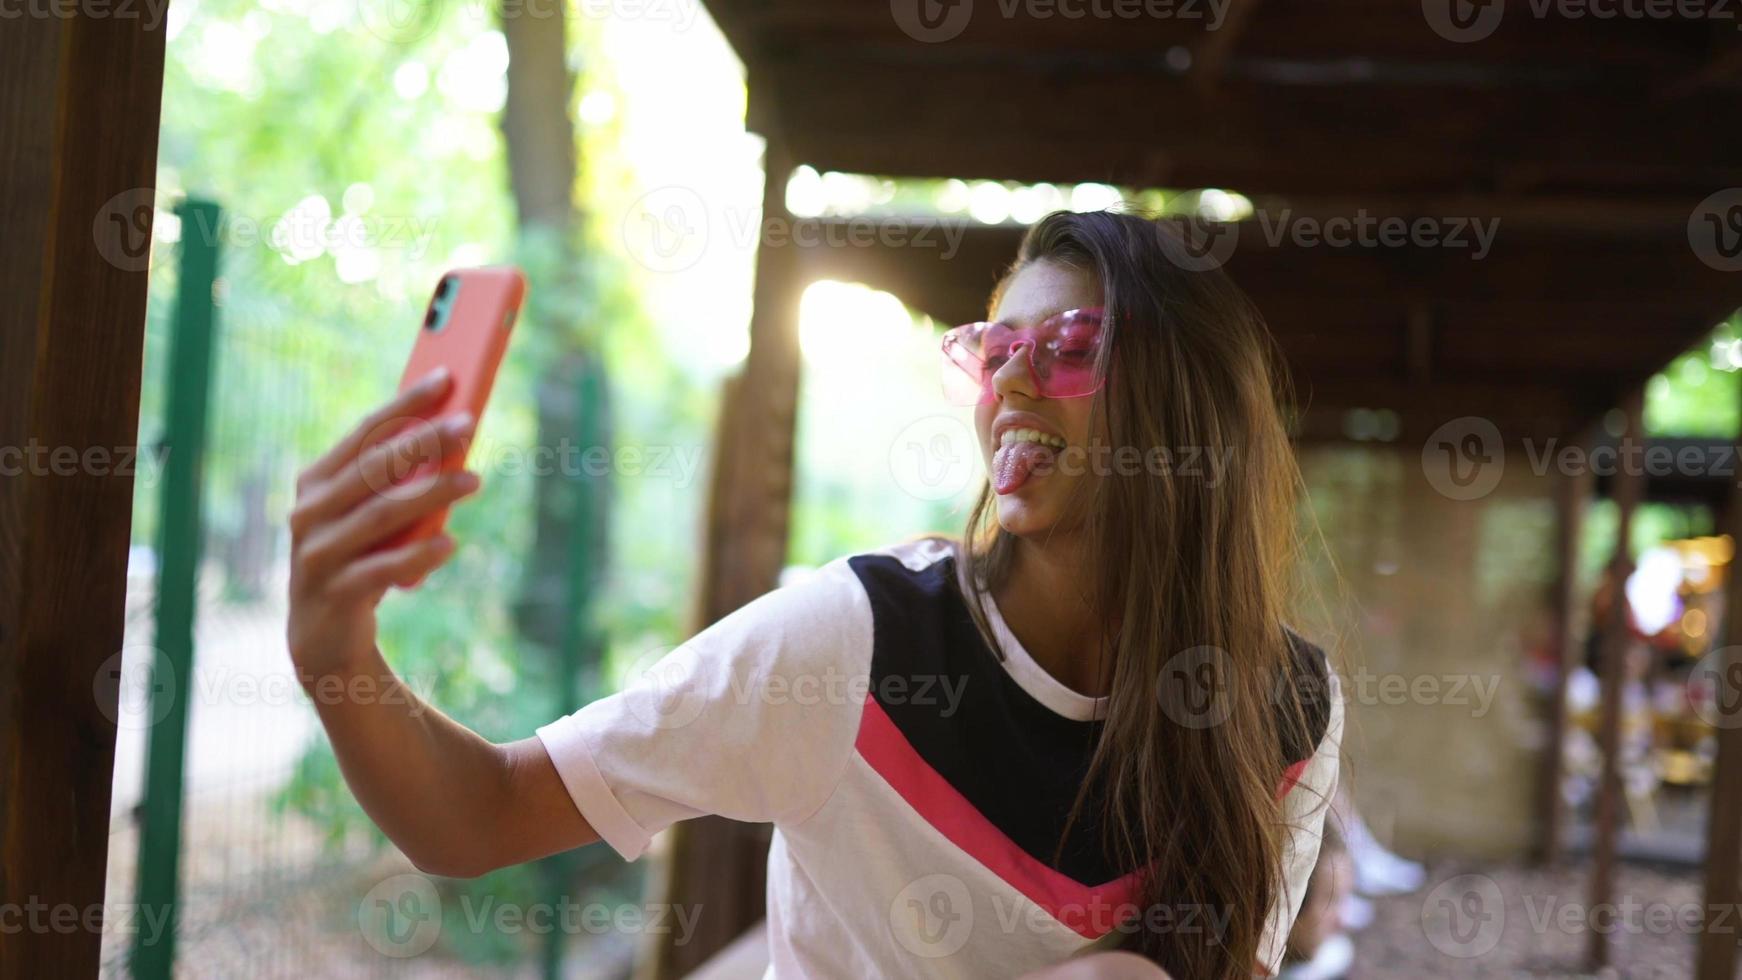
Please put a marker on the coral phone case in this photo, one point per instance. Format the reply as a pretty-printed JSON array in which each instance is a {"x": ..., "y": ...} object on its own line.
[{"x": 466, "y": 327}]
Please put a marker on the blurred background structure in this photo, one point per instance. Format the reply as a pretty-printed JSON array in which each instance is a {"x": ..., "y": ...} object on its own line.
[{"x": 1500, "y": 248}]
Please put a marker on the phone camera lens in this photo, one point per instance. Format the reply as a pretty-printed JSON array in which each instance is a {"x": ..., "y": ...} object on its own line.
[
  {"x": 429, "y": 318},
  {"x": 444, "y": 287}
]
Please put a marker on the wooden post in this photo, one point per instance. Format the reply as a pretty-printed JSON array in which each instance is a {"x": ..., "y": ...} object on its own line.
[
  {"x": 1717, "y": 942},
  {"x": 1572, "y": 496},
  {"x": 718, "y": 865},
  {"x": 79, "y": 101},
  {"x": 1627, "y": 488}
]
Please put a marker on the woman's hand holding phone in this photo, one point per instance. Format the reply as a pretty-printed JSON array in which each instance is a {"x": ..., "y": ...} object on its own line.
[
  {"x": 350, "y": 506},
  {"x": 369, "y": 516}
]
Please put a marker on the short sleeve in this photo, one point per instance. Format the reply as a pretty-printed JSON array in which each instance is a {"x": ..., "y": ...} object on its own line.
[
  {"x": 1305, "y": 805},
  {"x": 753, "y": 718}
]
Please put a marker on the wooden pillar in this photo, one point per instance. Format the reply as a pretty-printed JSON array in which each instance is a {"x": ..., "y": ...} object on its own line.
[
  {"x": 79, "y": 102},
  {"x": 1627, "y": 488},
  {"x": 1717, "y": 942},
  {"x": 719, "y": 865},
  {"x": 1572, "y": 497}
]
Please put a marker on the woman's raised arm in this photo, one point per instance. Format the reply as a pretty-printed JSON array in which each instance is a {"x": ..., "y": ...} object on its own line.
[{"x": 455, "y": 803}]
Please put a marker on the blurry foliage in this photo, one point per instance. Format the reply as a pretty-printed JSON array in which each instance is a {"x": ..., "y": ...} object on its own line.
[
  {"x": 338, "y": 126},
  {"x": 1700, "y": 392}
]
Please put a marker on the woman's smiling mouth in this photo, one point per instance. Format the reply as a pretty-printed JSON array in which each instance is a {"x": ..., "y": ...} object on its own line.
[{"x": 1022, "y": 447}]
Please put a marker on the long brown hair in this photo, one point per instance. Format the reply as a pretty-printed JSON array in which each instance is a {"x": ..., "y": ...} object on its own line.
[{"x": 1195, "y": 570}]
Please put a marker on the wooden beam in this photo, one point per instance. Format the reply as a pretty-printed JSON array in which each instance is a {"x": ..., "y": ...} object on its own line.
[
  {"x": 1723, "y": 884},
  {"x": 1723, "y": 66},
  {"x": 1572, "y": 498},
  {"x": 1419, "y": 342},
  {"x": 79, "y": 103},
  {"x": 1353, "y": 35},
  {"x": 1617, "y": 642},
  {"x": 1137, "y": 124},
  {"x": 1211, "y": 54}
]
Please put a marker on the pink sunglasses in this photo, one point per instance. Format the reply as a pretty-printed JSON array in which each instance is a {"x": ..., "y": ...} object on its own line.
[{"x": 1062, "y": 351}]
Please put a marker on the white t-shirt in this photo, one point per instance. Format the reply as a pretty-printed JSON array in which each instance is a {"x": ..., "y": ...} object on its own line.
[{"x": 917, "y": 784}]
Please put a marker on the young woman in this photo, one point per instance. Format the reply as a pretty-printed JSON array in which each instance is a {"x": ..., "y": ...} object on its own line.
[{"x": 1085, "y": 727}]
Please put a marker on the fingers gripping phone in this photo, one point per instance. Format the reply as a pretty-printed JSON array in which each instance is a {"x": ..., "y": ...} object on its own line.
[{"x": 466, "y": 329}]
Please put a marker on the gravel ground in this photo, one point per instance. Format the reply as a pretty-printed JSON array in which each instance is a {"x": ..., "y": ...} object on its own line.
[{"x": 1476, "y": 920}]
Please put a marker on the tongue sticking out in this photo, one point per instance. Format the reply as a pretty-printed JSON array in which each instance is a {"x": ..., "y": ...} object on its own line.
[{"x": 1013, "y": 464}]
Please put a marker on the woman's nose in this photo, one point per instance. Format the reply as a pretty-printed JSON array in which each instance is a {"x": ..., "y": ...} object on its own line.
[{"x": 1016, "y": 374}]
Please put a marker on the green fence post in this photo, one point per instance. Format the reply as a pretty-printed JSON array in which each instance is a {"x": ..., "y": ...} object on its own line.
[
  {"x": 189, "y": 389},
  {"x": 580, "y": 637}
]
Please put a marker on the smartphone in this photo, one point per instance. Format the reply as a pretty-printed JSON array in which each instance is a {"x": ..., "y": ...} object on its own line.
[{"x": 466, "y": 328}]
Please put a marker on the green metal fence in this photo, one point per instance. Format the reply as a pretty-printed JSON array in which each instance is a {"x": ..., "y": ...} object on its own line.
[{"x": 229, "y": 813}]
